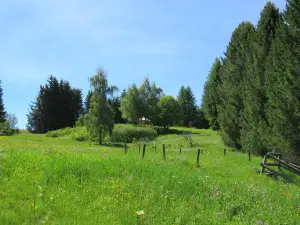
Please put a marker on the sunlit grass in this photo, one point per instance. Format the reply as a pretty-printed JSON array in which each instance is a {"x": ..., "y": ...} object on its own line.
[{"x": 61, "y": 181}]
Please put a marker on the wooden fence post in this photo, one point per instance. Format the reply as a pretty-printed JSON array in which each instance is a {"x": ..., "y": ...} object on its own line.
[
  {"x": 125, "y": 148},
  {"x": 198, "y": 157},
  {"x": 144, "y": 150},
  {"x": 164, "y": 151},
  {"x": 140, "y": 217},
  {"x": 249, "y": 155},
  {"x": 224, "y": 151}
]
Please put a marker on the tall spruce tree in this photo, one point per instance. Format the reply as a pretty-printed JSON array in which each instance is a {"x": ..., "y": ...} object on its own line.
[
  {"x": 232, "y": 74},
  {"x": 254, "y": 122},
  {"x": 2, "y": 108},
  {"x": 210, "y": 98},
  {"x": 188, "y": 107},
  {"x": 283, "y": 86},
  {"x": 57, "y": 106},
  {"x": 292, "y": 14}
]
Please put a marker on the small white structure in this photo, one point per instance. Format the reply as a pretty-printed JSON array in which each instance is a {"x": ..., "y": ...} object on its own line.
[{"x": 144, "y": 121}]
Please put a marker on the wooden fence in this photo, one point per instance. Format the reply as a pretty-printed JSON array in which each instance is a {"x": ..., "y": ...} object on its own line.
[{"x": 280, "y": 164}]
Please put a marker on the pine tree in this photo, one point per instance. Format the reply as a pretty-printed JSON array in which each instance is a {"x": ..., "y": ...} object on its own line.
[
  {"x": 187, "y": 103},
  {"x": 283, "y": 86},
  {"x": 2, "y": 108},
  {"x": 254, "y": 122},
  {"x": 292, "y": 14},
  {"x": 210, "y": 98},
  {"x": 232, "y": 74},
  {"x": 57, "y": 106}
]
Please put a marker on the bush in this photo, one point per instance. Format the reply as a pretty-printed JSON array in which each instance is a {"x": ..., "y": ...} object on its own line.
[
  {"x": 5, "y": 129},
  {"x": 127, "y": 133},
  {"x": 60, "y": 132},
  {"x": 80, "y": 135}
]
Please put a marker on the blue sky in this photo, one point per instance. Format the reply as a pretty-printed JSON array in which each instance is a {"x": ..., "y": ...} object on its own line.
[{"x": 172, "y": 42}]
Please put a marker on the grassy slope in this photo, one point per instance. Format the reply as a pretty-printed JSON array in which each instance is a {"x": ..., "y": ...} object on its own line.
[{"x": 61, "y": 181}]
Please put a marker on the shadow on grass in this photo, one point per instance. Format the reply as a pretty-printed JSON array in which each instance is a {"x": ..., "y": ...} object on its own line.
[
  {"x": 179, "y": 132},
  {"x": 115, "y": 145}
]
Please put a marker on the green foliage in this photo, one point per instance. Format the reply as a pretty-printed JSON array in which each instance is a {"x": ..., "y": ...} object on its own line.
[
  {"x": 57, "y": 106},
  {"x": 5, "y": 129},
  {"x": 8, "y": 127},
  {"x": 141, "y": 102},
  {"x": 87, "y": 101},
  {"x": 169, "y": 111},
  {"x": 60, "y": 132},
  {"x": 292, "y": 14},
  {"x": 131, "y": 105},
  {"x": 99, "y": 120},
  {"x": 210, "y": 98},
  {"x": 80, "y": 121},
  {"x": 283, "y": 88},
  {"x": 187, "y": 103},
  {"x": 80, "y": 135},
  {"x": 256, "y": 86},
  {"x": 232, "y": 73},
  {"x": 200, "y": 121},
  {"x": 254, "y": 121},
  {"x": 11, "y": 120},
  {"x": 127, "y": 133},
  {"x": 115, "y": 104},
  {"x": 2, "y": 108}
]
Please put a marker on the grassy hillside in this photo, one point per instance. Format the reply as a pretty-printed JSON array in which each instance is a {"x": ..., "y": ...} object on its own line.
[{"x": 58, "y": 180}]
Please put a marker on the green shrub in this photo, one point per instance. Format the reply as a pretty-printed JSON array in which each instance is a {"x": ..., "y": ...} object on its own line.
[
  {"x": 6, "y": 130},
  {"x": 127, "y": 133},
  {"x": 80, "y": 135},
  {"x": 60, "y": 132}
]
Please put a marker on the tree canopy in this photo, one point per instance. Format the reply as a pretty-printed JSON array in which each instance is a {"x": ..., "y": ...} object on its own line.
[{"x": 57, "y": 106}]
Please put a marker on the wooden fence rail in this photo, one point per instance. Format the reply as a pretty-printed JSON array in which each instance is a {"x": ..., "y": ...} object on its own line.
[{"x": 278, "y": 162}]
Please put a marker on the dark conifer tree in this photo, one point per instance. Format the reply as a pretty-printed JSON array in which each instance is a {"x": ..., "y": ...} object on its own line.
[
  {"x": 57, "y": 106},
  {"x": 2, "y": 108},
  {"x": 254, "y": 122},
  {"x": 187, "y": 103},
  {"x": 210, "y": 98},
  {"x": 232, "y": 75},
  {"x": 283, "y": 86}
]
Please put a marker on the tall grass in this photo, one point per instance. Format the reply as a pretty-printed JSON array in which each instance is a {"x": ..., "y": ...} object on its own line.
[{"x": 60, "y": 181}]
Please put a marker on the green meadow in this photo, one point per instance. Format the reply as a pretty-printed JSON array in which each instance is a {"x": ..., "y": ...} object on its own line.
[{"x": 45, "y": 180}]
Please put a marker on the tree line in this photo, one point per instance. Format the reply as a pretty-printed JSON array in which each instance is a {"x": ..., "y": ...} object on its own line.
[
  {"x": 252, "y": 94},
  {"x": 58, "y": 105}
]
